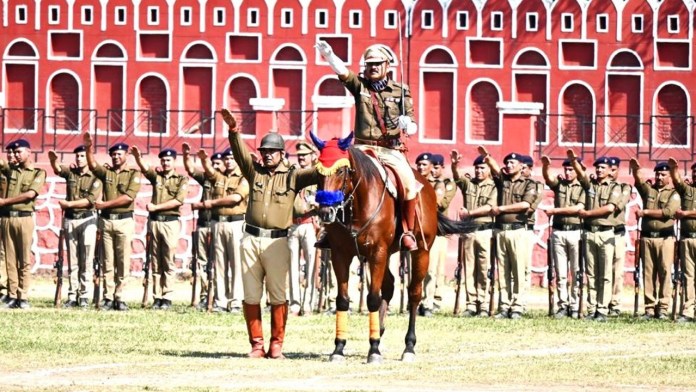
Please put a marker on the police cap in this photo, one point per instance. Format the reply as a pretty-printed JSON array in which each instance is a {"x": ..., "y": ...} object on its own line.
[
  {"x": 19, "y": 143},
  {"x": 217, "y": 155},
  {"x": 118, "y": 147},
  {"x": 80, "y": 148},
  {"x": 303, "y": 148},
  {"x": 527, "y": 160},
  {"x": 661, "y": 166},
  {"x": 425, "y": 156},
  {"x": 513, "y": 156},
  {"x": 167, "y": 152},
  {"x": 479, "y": 160}
]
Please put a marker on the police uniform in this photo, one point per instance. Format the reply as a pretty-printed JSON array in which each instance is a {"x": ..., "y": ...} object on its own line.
[
  {"x": 265, "y": 252},
  {"x": 531, "y": 212},
  {"x": 19, "y": 225},
  {"x": 301, "y": 239},
  {"x": 477, "y": 240},
  {"x": 81, "y": 230},
  {"x": 657, "y": 242},
  {"x": 620, "y": 248},
  {"x": 227, "y": 236},
  {"x": 600, "y": 241},
  {"x": 687, "y": 248},
  {"x": 4, "y": 297},
  {"x": 565, "y": 243},
  {"x": 445, "y": 190},
  {"x": 165, "y": 230},
  {"x": 514, "y": 249},
  {"x": 117, "y": 227}
]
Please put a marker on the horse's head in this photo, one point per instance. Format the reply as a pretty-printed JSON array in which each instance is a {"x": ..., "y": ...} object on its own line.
[{"x": 335, "y": 169}]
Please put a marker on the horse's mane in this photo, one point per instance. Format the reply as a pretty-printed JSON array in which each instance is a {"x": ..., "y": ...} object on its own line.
[{"x": 363, "y": 164}]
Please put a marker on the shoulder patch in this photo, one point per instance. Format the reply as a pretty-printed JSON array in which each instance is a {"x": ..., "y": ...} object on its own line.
[
  {"x": 137, "y": 180},
  {"x": 449, "y": 186},
  {"x": 95, "y": 185},
  {"x": 675, "y": 196},
  {"x": 37, "y": 180}
]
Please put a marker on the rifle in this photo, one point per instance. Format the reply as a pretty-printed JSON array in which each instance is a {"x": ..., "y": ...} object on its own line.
[
  {"x": 491, "y": 276},
  {"x": 361, "y": 274},
  {"x": 194, "y": 267},
  {"x": 581, "y": 278},
  {"x": 550, "y": 273},
  {"x": 57, "y": 300},
  {"x": 210, "y": 269},
  {"x": 146, "y": 265},
  {"x": 403, "y": 271},
  {"x": 304, "y": 271},
  {"x": 458, "y": 274},
  {"x": 324, "y": 277},
  {"x": 676, "y": 281},
  {"x": 636, "y": 274},
  {"x": 96, "y": 265}
]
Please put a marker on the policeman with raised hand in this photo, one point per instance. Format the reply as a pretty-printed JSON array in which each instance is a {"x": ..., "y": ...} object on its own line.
[
  {"x": 660, "y": 204},
  {"x": 619, "y": 218},
  {"x": 4, "y": 285}
]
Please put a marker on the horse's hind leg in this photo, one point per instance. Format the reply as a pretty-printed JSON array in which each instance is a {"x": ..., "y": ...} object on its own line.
[
  {"x": 387, "y": 295},
  {"x": 341, "y": 265},
  {"x": 419, "y": 267}
]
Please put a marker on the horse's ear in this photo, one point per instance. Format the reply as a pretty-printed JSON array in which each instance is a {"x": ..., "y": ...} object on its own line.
[
  {"x": 317, "y": 142},
  {"x": 344, "y": 143}
]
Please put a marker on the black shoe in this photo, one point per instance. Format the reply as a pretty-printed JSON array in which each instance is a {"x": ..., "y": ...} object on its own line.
[
  {"x": 468, "y": 313},
  {"x": 235, "y": 309},
  {"x": 107, "y": 304},
  {"x": 662, "y": 316},
  {"x": 83, "y": 303},
  {"x": 561, "y": 313},
  {"x": 322, "y": 242},
  {"x": 516, "y": 315},
  {"x": 484, "y": 314},
  {"x": 503, "y": 314},
  {"x": 647, "y": 316},
  {"x": 121, "y": 306},
  {"x": 202, "y": 304},
  {"x": 599, "y": 317},
  {"x": 684, "y": 319},
  {"x": 4, "y": 298},
  {"x": 574, "y": 315},
  {"x": 70, "y": 304},
  {"x": 165, "y": 304},
  {"x": 157, "y": 305},
  {"x": 23, "y": 304},
  {"x": 219, "y": 309},
  {"x": 10, "y": 304}
]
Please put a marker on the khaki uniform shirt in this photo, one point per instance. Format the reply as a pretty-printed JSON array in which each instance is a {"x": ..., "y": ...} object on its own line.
[
  {"x": 445, "y": 189},
  {"x": 599, "y": 194},
  {"x": 619, "y": 215},
  {"x": 478, "y": 194},
  {"x": 271, "y": 195},
  {"x": 166, "y": 188},
  {"x": 687, "y": 195},
  {"x": 207, "y": 185},
  {"x": 665, "y": 199},
  {"x": 367, "y": 126},
  {"x": 3, "y": 190},
  {"x": 80, "y": 186},
  {"x": 539, "y": 189},
  {"x": 566, "y": 194},
  {"x": 520, "y": 190},
  {"x": 124, "y": 182},
  {"x": 20, "y": 180},
  {"x": 227, "y": 185},
  {"x": 304, "y": 205}
]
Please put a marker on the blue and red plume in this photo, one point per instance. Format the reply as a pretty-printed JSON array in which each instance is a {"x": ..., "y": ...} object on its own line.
[
  {"x": 344, "y": 143},
  {"x": 317, "y": 142}
]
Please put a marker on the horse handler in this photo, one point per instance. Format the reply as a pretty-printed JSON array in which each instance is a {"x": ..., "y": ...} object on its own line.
[{"x": 265, "y": 251}]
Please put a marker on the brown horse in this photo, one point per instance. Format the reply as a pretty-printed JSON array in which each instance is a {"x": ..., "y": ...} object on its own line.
[{"x": 362, "y": 219}]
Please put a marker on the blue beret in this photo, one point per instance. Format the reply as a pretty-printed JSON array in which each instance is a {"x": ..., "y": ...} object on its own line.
[
  {"x": 217, "y": 155},
  {"x": 118, "y": 147},
  {"x": 19, "y": 143},
  {"x": 438, "y": 159},
  {"x": 614, "y": 161},
  {"x": 603, "y": 160},
  {"x": 527, "y": 160},
  {"x": 167, "y": 152},
  {"x": 513, "y": 155},
  {"x": 80, "y": 148},
  {"x": 479, "y": 160},
  {"x": 566, "y": 162},
  {"x": 227, "y": 153},
  {"x": 426, "y": 156},
  {"x": 661, "y": 166}
]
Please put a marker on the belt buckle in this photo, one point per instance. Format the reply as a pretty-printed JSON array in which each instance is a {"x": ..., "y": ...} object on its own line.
[
  {"x": 507, "y": 226},
  {"x": 113, "y": 216}
]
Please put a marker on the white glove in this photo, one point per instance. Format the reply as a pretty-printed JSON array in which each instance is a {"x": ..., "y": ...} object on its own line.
[
  {"x": 327, "y": 53},
  {"x": 407, "y": 125}
]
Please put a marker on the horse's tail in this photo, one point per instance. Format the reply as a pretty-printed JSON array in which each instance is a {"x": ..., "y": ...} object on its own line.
[{"x": 447, "y": 226}]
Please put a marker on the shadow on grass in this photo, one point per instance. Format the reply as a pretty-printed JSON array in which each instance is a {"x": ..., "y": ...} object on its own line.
[{"x": 204, "y": 354}]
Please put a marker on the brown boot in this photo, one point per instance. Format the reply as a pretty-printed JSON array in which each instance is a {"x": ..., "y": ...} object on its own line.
[
  {"x": 279, "y": 316},
  {"x": 408, "y": 211},
  {"x": 252, "y": 315}
]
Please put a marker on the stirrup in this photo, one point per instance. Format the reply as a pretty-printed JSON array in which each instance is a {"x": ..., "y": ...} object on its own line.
[{"x": 406, "y": 243}]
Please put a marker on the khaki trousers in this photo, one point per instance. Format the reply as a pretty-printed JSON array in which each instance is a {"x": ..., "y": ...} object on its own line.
[
  {"x": 227, "y": 237},
  {"x": 4, "y": 285},
  {"x": 301, "y": 239},
  {"x": 265, "y": 259},
  {"x": 81, "y": 236},
  {"x": 514, "y": 258},
  {"x": 202, "y": 259},
  {"x": 397, "y": 160},
  {"x": 164, "y": 241},
  {"x": 688, "y": 260},
  {"x": 117, "y": 235},
  {"x": 477, "y": 256},
  {"x": 566, "y": 253},
  {"x": 658, "y": 258},
  {"x": 599, "y": 259},
  {"x": 438, "y": 255},
  {"x": 18, "y": 233},
  {"x": 618, "y": 271}
]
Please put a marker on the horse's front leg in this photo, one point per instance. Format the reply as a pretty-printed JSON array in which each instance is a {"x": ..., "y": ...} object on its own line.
[
  {"x": 341, "y": 265},
  {"x": 419, "y": 267},
  {"x": 378, "y": 267}
]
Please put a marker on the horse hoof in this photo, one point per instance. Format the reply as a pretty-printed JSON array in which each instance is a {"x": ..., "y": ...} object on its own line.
[
  {"x": 374, "y": 358},
  {"x": 337, "y": 358},
  {"x": 408, "y": 357}
]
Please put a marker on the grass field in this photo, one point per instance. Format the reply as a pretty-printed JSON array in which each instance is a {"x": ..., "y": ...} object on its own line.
[{"x": 75, "y": 350}]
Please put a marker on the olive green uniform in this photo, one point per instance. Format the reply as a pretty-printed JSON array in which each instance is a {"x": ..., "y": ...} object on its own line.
[
  {"x": 620, "y": 252},
  {"x": 227, "y": 237},
  {"x": 657, "y": 242},
  {"x": 687, "y": 249},
  {"x": 18, "y": 230},
  {"x": 565, "y": 242},
  {"x": 204, "y": 232},
  {"x": 301, "y": 239},
  {"x": 514, "y": 249},
  {"x": 165, "y": 229},
  {"x": 117, "y": 227},
  {"x": 265, "y": 252},
  {"x": 600, "y": 243},
  {"x": 81, "y": 230},
  {"x": 477, "y": 241}
]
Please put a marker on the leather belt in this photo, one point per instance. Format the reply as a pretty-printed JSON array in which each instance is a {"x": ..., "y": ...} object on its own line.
[
  {"x": 598, "y": 228},
  {"x": 510, "y": 226},
  {"x": 163, "y": 218},
  {"x": 228, "y": 218},
  {"x": 480, "y": 227},
  {"x": 123, "y": 215},
  {"x": 79, "y": 214},
  {"x": 664, "y": 233},
  {"x": 265, "y": 233},
  {"x": 566, "y": 227},
  {"x": 688, "y": 234},
  {"x": 204, "y": 223},
  {"x": 620, "y": 229},
  {"x": 394, "y": 143},
  {"x": 15, "y": 214}
]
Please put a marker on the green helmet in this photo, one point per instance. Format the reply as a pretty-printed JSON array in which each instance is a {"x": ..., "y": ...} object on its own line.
[{"x": 272, "y": 141}]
